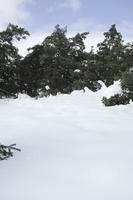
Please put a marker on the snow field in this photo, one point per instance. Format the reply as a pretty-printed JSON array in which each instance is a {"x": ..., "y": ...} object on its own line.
[{"x": 73, "y": 148}]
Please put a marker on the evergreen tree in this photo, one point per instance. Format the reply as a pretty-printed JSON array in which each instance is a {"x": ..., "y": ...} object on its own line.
[
  {"x": 127, "y": 84},
  {"x": 59, "y": 71},
  {"x": 31, "y": 72},
  {"x": 128, "y": 56},
  {"x": 50, "y": 68},
  {"x": 91, "y": 77},
  {"x": 110, "y": 56},
  {"x": 9, "y": 58}
]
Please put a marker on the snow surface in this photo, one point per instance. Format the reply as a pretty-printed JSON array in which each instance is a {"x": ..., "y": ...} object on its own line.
[
  {"x": 73, "y": 148},
  {"x": 112, "y": 89}
]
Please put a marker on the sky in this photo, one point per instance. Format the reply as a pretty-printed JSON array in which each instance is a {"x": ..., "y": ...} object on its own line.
[{"x": 94, "y": 16}]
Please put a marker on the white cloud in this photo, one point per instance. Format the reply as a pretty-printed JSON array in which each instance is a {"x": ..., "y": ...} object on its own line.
[
  {"x": 13, "y": 11},
  {"x": 75, "y": 4},
  {"x": 71, "y": 4}
]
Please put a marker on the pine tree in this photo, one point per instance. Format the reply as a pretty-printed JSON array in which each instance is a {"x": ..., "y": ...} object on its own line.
[
  {"x": 110, "y": 56},
  {"x": 50, "y": 67},
  {"x": 9, "y": 59}
]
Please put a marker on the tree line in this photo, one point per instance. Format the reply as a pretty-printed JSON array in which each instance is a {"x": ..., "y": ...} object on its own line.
[{"x": 61, "y": 64}]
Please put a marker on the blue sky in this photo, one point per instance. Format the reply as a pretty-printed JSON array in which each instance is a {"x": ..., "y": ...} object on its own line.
[
  {"x": 67, "y": 12},
  {"x": 95, "y": 16}
]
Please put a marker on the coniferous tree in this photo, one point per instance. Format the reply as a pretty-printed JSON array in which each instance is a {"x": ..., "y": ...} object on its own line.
[
  {"x": 128, "y": 56},
  {"x": 110, "y": 56},
  {"x": 9, "y": 58},
  {"x": 90, "y": 71},
  {"x": 51, "y": 67}
]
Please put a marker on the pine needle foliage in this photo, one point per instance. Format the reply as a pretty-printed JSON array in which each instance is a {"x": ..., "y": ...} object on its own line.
[{"x": 7, "y": 151}]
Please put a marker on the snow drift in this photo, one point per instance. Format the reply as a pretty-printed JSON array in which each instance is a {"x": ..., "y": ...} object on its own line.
[{"x": 73, "y": 148}]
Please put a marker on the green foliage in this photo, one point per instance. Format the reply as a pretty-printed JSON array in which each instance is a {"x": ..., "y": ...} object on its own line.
[
  {"x": 9, "y": 58},
  {"x": 128, "y": 56},
  {"x": 127, "y": 84},
  {"x": 53, "y": 64},
  {"x": 110, "y": 55},
  {"x": 116, "y": 100},
  {"x": 60, "y": 64}
]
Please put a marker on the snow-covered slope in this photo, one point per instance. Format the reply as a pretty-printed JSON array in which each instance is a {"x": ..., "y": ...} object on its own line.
[{"x": 73, "y": 148}]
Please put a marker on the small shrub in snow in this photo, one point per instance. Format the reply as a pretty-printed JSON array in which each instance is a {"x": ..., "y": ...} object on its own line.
[
  {"x": 117, "y": 99},
  {"x": 7, "y": 151}
]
